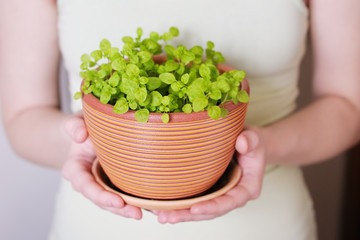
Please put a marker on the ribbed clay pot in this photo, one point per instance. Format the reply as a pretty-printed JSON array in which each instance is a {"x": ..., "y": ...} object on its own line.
[{"x": 159, "y": 160}]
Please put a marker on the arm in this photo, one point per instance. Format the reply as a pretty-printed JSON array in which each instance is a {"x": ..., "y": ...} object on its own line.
[
  {"x": 29, "y": 65},
  {"x": 37, "y": 129},
  {"x": 331, "y": 124}
]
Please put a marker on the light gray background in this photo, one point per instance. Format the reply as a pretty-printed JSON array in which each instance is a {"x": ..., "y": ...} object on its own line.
[{"x": 28, "y": 191}]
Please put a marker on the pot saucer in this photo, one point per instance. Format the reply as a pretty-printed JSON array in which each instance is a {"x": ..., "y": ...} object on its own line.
[{"x": 228, "y": 180}]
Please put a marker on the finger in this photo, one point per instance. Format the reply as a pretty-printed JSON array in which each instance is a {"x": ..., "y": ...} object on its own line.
[
  {"x": 78, "y": 173},
  {"x": 127, "y": 211},
  {"x": 247, "y": 141},
  {"x": 75, "y": 128},
  {"x": 252, "y": 181},
  {"x": 185, "y": 215},
  {"x": 236, "y": 197},
  {"x": 253, "y": 166}
]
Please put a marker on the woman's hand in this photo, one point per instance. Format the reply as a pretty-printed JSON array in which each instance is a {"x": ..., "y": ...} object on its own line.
[
  {"x": 77, "y": 169},
  {"x": 251, "y": 157}
]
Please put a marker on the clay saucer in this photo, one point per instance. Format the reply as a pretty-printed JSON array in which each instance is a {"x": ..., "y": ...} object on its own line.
[{"x": 228, "y": 180}]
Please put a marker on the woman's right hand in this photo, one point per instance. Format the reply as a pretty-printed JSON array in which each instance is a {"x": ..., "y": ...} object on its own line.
[{"x": 77, "y": 169}]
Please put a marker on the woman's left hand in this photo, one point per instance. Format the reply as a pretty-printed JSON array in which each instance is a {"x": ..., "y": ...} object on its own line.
[{"x": 250, "y": 147}]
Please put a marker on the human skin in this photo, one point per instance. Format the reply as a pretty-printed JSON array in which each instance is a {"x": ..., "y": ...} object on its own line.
[{"x": 41, "y": 133}]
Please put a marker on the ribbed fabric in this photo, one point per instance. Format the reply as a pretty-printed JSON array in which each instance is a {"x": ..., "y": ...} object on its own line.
[{"x": 266, "y": 38}]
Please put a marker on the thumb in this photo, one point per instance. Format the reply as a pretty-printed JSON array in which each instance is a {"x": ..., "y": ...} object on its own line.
[
  {"x": 75, "y": 128},
  {"x": 247, "y": 141}
]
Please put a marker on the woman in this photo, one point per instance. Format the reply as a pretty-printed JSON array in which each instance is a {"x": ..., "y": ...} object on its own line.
[{"x": 265, "y": 38}]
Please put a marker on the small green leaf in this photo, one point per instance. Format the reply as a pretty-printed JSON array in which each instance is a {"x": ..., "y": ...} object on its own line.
[
  {"x": 165, "y": 118},
  {"x": 171, "y": 66},
  {"x": 153, "y": 83},
  {"x": 134, "y": 59},
  {"x": 197, "y": 50},
  {"x": 238, "y": 75},
  {"x": 127, "y": 49},
  {"x": 176, "y": 86},
  {"x": 146, "y": 102},
  {"x": 210, "y": 45},
  {"x": 167, "y": 36},
  {"x": 77, "y": 95},
  {"x": 200, "y": 103},
  {"x": 83, "y": 75},
  {"x": 187, "y": 108},
  {"x": 102, "y": 73},
  {"x": 133, "y": 104},
  {"x": 156, "y": 98},
  {"x": 187, "y": 57},
  {"x": 181, "y": 69},
  {"x": 96, "y": 55},
  {"x": 143, "y": 80},
  {"x": 128, "y": 40},
  {"x": 154, "y": 36},
  {"x": 185, "y": 78},
  {"x": 214, "y": 112},
  {"x": 88, "y": 90},
  {"x": 218, "y": 58},
  {"x": 114, "y": 79},
  {"x": 144, "y": 56},
  {"x": 119, "y": 64},
  {"x": 161, "y": 69},
  {"x": 224, "y": 112},
  {"x": 140, "y": 94},
  {"x": 132, "y": 70},
  {"x": 223, "y": 84},
  {"x": 139, "y": 32},
  {"x": 129, "y": 85},
  {"x": 142, "y": 115},
  {"x": 165, "y": 100},
  {"x": 215, "y": 94},
  {"x": 174, "y": 31},
  {"x": 105, "y": 96},
  {"x": 113, "y": 51},
  {"x": 152, "y": 46},
  {"x": 85, "y": 58},
  {"x": 204, "y": 71},
  {"x": 121, "y": 106},
  {"x": 105, "y": 45},
  {"x": 242, "y": 96},
  {"x": 233, "y": 92},
  {"x": 84, "y": 66},
  {"x": 167, "y": 78},
  {"x": 169, "y": 49}
]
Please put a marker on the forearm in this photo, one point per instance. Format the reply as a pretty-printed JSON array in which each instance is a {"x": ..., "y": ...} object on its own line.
[
  {"x": 320, "y": 131},
  {"x": 38, "y": 135}
]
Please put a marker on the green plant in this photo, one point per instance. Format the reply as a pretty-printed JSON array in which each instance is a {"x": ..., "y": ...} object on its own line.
[{"x": 185, "y": 82}]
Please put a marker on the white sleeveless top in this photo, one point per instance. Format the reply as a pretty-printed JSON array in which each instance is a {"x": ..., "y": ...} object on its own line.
[{"x": 266, "y": 38}]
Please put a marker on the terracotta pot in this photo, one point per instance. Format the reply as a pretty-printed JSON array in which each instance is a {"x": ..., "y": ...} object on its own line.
[{"x": 155, "y": 160}]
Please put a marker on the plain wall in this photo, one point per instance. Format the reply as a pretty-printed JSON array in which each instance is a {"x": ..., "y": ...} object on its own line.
[{"x": 326, "y": 179}]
